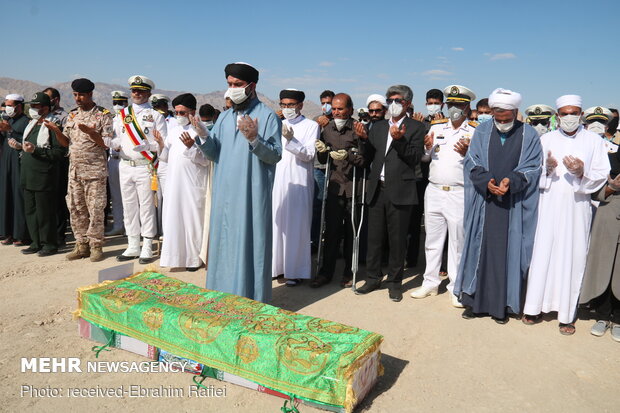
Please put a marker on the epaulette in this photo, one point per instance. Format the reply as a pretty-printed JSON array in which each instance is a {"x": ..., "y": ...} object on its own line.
[
  {"x": 473, "y": 123},
  {"x": 438, "y": 121},
  {"x": 103, "y": 110},
  {"x": 73, "y": 110}
]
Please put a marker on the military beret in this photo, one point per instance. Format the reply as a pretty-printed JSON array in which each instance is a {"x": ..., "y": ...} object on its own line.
[
  {"x": 242, "y": 70},
  {"x": 186, "y": 99},
  {"x": 298, "y": 95},
  {"x": 82, "y": 85}
]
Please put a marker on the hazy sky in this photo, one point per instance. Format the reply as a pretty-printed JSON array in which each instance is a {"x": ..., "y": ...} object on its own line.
[{"x": 542, "y": 49}]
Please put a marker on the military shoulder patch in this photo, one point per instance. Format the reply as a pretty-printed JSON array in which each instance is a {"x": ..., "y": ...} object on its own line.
[
  {"x": 439, "y": 121},
  {"x": 103, "y": 110},
  {"x": 473, "y": 123}
]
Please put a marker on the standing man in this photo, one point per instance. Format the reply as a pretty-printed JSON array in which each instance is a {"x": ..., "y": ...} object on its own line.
[
  {"x": 539, "y": 117},
  {"x": 395, "y": 148},
  {"x": 120, "y": 101},
  {"x": 347, "y": 152},
  {"x": 484, "y": 110},
  {"x": 444, "y": 201},
  {"x": 434, "y": 108},
  {"x": 576, "y": 165},
  {"x": 245, "y": 146},
  {"x": 135, "y": 132},
  {"x": 41, "y": 155},
  {"x": 377, "y": 107},
  {"x": 88, "y": 131},
  {"x": 160, "y": 104},
  {"x": 501, "y": 172},
  {"x": 183, "y": 212},
  {"x": 292, "y": 192},
  {"x": 12, "y": 219}
]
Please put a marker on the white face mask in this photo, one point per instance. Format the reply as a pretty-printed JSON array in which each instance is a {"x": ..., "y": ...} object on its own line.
[
  {"x": 541, "y": 129},
  {"x": 10, "y": 111},
  {"x": 118, "y": 108},
  {"x": 504, "y": 127},
  {"x": 183, "y": 120},
  {"x": 289, "y": 113},
  {"x": 570, "y": 123},
  {"x": 597, "y": 127},
  {"x": 455, "y": 113},
  {"x": 433, "y": 109},
  {"x": 395, "y": 109},
  {"x": 34, "y": 114},
  {"x": 484, "y": 117},
  {"x": 340, "y": 123},
  {"x": 237, "y": 94}
]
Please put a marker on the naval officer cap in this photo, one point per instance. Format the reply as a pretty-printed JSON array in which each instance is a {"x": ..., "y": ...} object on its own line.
[
  {"x": 539, "y": 111},
  {"x": 119, "y": 95},
  {"x": 141, "y": 82},
  {"x": 597, "y": 113},
  {"x": 159, "y": 98},
  {"x": 242, "y": 70},
  {"x": 458, "y": 93},
  {"x": 298, "y": 95},
  {"x": 186, "y": 99},
  {"x": 82, "y": 85}
]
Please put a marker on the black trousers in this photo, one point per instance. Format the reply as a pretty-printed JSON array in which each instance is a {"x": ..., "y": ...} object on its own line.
[
  {"x": 41, "y": 219},
  {"x": 607, "y": 306},
  {"x": 390, "y": 222},
  {"x": 337, "y": 226}
]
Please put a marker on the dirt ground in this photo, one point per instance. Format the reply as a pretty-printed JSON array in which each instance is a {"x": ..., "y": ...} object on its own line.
[{"x": 434, "y": 360}]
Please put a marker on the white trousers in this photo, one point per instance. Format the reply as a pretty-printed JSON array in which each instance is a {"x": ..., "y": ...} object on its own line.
[
  {"x": 138, "y": 203},
  {"x": 115, "y": 193},
  {"x": 443, "y": 210}
]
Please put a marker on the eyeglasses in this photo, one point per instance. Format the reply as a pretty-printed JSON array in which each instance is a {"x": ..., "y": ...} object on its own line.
[
  {"x": 181, "y": 112},
  {"x": 544, "y": 122},
  {"x": 397, "y": 100},
  {"x": 288, "y": 105},
  {"x": 375, "y": 110}
]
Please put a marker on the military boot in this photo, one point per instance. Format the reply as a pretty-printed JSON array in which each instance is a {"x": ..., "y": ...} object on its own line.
[
  {"x": 81, "y": 250},
  {"x": 96, "y": 254}
]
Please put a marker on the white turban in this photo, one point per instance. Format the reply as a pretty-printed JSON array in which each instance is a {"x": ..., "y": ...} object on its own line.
[
  {"x": 376, "y": 98},
  {"x": 14, "y": 96},
  {"x": 568, "y": 100},
  {"x": 504, "y": 99}
]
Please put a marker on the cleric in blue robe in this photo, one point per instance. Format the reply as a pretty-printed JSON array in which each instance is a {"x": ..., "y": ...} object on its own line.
[
  {"x": 502, "y": 171},
  {"x": 245, "y": 145}
]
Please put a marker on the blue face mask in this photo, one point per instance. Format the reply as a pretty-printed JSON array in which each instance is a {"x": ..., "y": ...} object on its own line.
[
  {"x": 484, "y": 117},
  {"x": 327, "y": 108}
]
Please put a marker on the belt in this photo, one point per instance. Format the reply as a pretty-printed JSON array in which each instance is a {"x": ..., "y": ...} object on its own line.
[
  {"x": 447, "y": 188},
  {"x": 115, "y": 156},
  {"x": 136, "y": 162}
]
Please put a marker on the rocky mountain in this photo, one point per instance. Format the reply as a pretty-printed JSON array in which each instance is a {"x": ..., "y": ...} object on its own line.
[{"x": 102, "y": 95}]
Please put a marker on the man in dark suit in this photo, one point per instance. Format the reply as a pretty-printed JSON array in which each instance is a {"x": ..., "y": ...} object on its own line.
[{"x": 395, "y": 147}]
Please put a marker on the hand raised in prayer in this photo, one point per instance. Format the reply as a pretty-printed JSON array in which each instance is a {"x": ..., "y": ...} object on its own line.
[
  {"x": 614, "y": 184},
  {"x": 53, "y": 127},
  {"x": 4, "y": 126},
  {"x": 339, "y": 155},
  {"x": 187, "y": 140},
  {"x": 322, "y": 121},
  {"x": 360, "y": 130},
  {"x": 249, "y": 127},
  {"x": 396, "y": 132},
  {"x": 418, "y": 116},
  {"x": 14, "y": 144},
  {"x": 279, "y": 113},
  {"x": 438, "y": 116},
  {"x": 159, "y": 139},
  {"x": 198, "y": 126},
  {"x": 28, "y": 147},
  {"x": 287, "y": 132},
  {"x": 461, "y": 146},
  {"x": 574, "y": 165},
  {"x": 551, "y": 163},
  {"x": 320, "y": 146},
  {"x": 84, "y": 128},
  {"x": 429, "y": 140}
]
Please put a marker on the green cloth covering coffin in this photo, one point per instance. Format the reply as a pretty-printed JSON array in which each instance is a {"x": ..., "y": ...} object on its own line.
[{"x": 299, "y": 355}]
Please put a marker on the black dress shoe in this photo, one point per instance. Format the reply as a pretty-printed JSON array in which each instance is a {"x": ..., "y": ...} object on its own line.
[
  {"x": 368, "y": 287},
  {"x": 146, "y": 260},
  {"x": 44, "y": 253},
  {"x": 468, "y": 314},
  {"x": 396, "y": 295},
  {"x": 500, "y": 320},
  {"x": 30, "y": 250},
  {"x": 122, "y": 257},
  {"x": 192, "y": 269}
]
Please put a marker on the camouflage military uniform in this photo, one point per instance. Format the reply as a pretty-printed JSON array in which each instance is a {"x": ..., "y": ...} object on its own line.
[{"x": 88, "y": 171}]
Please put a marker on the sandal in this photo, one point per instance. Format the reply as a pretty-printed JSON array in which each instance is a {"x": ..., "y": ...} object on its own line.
[
  {"x": 19, "y": 243},
  {"x": 530, "y": 319},
  {"x": 280, "y": 279},
  {"x": 319, "y": 281},
  {"x": 567, "y": 329},
  {"x": 293, "y": 282},
  {"x": 7, "y": 241},
  {"x": 346, "y": 283}
]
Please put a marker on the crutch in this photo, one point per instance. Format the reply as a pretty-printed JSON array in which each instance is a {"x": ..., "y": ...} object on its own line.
[
  {"x": 319, "y": 255},
  {"x": 357, "y": 229}
]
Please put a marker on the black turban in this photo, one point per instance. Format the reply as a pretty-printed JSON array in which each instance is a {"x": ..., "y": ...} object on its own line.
[
  {"x": 242, "y": 71},
  {"x": 298, "y": 95},
  {"x": 82, "y": 85},
  {"x": 186, "y": 99}
]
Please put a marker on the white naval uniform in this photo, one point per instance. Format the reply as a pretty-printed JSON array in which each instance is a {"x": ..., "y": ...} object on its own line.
[
  {"x": 140, "y": 216},
  {"x": 444, "y": 202}
]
